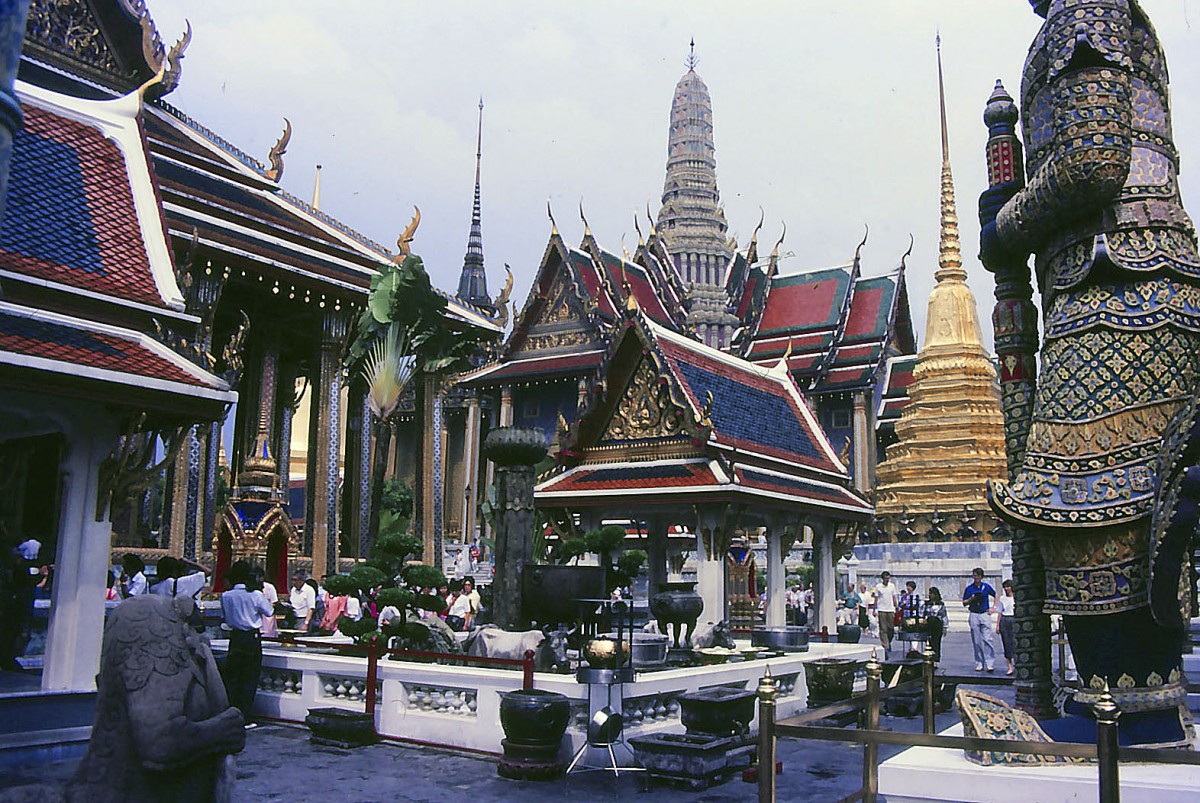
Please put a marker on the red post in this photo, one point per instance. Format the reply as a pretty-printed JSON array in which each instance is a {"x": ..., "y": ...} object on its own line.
[
  {"x": 527, "y": 670},
  {"x": 372, "y": 676}
]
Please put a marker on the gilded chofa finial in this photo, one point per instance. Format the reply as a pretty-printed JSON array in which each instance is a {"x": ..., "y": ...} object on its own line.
[
  {"x": 152, "y": 49},
  {"x": 779, "y": 242},
  {"x": 502, "y": 299},
  {"x": 638, "y": 229},
  {"x": 650, "y": 217},
  {"x": 174, "y": 63},
  {"x": 404, "y": 242},
  {"x": 550, "y": 214},
  {"x": 275, "y": 157},
  {"x": 587, "y": 230}
]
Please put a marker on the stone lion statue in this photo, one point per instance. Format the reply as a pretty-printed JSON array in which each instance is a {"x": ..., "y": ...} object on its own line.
[{"x": 164, "y": 730}]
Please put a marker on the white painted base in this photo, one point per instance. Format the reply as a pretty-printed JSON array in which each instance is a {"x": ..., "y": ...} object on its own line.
[{"x": 933, "y": 774}]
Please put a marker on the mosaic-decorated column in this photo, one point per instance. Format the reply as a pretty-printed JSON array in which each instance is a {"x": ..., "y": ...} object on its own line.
[
  {"x": 712, "y": 542},
  {"x": 192, "y": 452},
  {"x": 324, "y": 443},
  {"x": 356, "y": 474},
  {"x": 212, "y": 468},
  {"x": 470, "y": 469}
]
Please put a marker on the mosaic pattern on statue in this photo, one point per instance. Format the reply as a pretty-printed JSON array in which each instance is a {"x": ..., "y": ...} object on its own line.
[
  {"x": 1134, "y": 305},
  {"x": 1138, "y": 694},
  {"x": 1140, "y": 250},
  {"x": 1149, "y": 112},
  {"x": 986, "y": 717},
  {"x": 1105, "y": 589},
  {"x": 1102, "y": 371},
  {"x": 1174, "y": 521},
  {"x": 1102, "y": 498},
  {"x": 1117, "y": 439}
]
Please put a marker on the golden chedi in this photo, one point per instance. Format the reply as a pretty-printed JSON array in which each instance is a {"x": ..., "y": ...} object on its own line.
[{"x": 951, "y": 433}]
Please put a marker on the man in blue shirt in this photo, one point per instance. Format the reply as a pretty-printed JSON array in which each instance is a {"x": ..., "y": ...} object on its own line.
[{"x": 978, "y": 598}]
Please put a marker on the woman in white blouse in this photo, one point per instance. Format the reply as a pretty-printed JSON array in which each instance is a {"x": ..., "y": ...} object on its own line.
[{"x": 1006, "y": 624}]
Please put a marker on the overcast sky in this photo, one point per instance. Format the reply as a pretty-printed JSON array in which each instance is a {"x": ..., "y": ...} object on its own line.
[{"x": 825, "y": 115}]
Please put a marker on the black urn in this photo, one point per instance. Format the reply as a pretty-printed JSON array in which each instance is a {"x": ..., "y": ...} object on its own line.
[
  {"x": 718, "y": 711},
  {"x": 849, "y": 634},
  {"x": 679, "y": 605},
  {"x": 534, "y": 716}
]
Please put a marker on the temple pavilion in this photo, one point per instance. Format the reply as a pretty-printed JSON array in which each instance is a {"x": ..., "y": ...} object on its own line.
[{"x": 676, "y": 437}]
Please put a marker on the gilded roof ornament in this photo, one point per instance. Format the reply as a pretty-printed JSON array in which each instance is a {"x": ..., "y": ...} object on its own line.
[
  {"x": 404, "y": 242},
  {"x": 650, "y": 217},
  {"x": 502, "y": 299},
  {"x": 638, "y": 228},
  {"x": 705, "y": 419},
  {"x": 587, "y": 230},
  {"x": 152, "y": 49},
  {"x": 275, "y": 156},
  {"x": 174, "y": 63},
  {"x": 550, "y": 214},
  {"x": 859, "y": 248}
]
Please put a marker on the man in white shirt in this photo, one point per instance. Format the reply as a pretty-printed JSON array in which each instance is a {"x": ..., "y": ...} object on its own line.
[
  {"x": 887, "y": 596},
  {"x": 175, "y": 581},
  {"x": 243, "y": 611},
  {"x": 303, "y": 601},
  {"x": 135, "y": 578},
  {"x": 269, "y": 626}
]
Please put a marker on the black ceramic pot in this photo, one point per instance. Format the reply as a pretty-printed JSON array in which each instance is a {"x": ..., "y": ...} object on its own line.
[
  {"x": 718, "y": 711},
  {"x": 677, "y": 604},
  {"x": 849, "y": 634},
  {"x": 534, "y": 717},
  {"x": 829, "y": 679}
]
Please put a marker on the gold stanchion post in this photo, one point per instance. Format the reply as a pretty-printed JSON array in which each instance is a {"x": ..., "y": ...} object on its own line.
[
  {"x": 870, "y": 787},
  {"x": 767, "y": 692},
  {"x": 927, "y": 668}
]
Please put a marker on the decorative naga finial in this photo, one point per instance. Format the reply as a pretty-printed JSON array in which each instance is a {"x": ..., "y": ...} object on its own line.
[
  {"x": 706, "y": 412},
  {"x": 650, "y": 217},
  {"x": 502, "y": 299},
  {"x": 550, "y": 214},
  {"x": 587, "y": 230},
  {"x": 275, "y": 157},
  {"x": 638, "y": 229},
  {"x": 775, "y": 250},
  {"x": 174, "y": 63},
  {"x": 858, "y": 250},
  {"x": 907, "y": 253},
  {"x": 404, "y": 242},
  {"x": 152, "y": 49}
]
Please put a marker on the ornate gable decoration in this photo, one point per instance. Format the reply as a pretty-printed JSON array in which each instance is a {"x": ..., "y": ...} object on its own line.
[
  {"x": 559, "y": 306},
  {"x": 646, "y": 409},
  {"x": 105, "y": 42}
]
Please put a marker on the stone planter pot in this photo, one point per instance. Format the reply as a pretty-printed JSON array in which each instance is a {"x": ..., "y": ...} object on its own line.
[
  {"x": 829, "y": 680},
  {"x": 717, "y": 712},
  {"x": 678, "y": 605},
  {"x": 534, "y": 717},
  {"x": 338, "y": 727},
  {"x": 849, "y": 634}
]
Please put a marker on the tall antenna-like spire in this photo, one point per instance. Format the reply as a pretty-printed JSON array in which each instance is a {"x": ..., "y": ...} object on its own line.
[
  {"x": 472, "y": 283},
  {"x": 316, "y": 202},
  {"x": 692, "y": 61},
  {"x": 942, "y": 101},
  {"x": 949, "y": 249}
]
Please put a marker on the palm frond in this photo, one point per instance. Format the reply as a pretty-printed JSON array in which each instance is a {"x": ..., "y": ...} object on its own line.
[{"x": 387, "y": 370}]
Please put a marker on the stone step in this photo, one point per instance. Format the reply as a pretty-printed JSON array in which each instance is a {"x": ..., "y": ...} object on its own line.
[{"x": 38, "y": 728}]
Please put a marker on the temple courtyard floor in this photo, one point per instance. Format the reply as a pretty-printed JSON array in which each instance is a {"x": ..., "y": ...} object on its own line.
[{"x": 280, "y": 764}]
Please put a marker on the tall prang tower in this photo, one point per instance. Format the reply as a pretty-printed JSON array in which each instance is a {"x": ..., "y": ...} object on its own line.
[
  {"x": 472, "y": 282},
  {"x": 691, "y": 221}
]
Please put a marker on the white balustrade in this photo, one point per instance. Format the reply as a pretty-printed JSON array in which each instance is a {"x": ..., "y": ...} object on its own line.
[{"x": 459, "y": 706}]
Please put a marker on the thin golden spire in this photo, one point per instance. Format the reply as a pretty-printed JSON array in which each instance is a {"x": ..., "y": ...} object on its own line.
[
  {"x": 316, "y": 201},
  {"x": 949, "y": 249}
]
